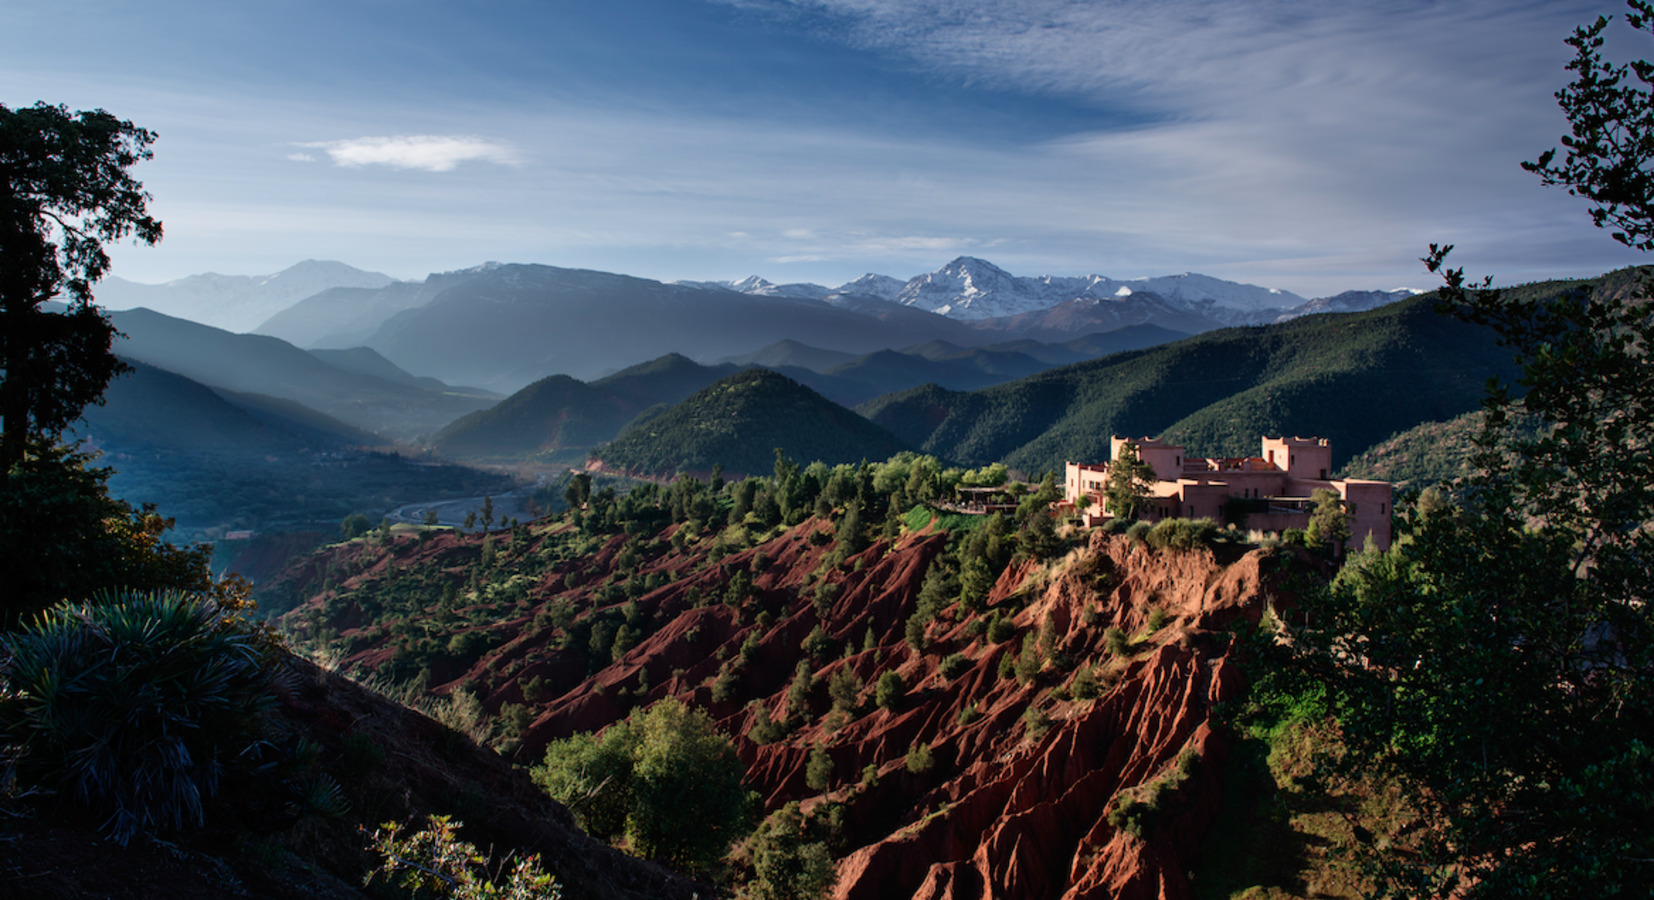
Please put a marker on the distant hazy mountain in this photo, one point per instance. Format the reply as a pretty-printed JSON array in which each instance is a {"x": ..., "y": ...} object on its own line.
[
  {"x": 367, "y": 361},
  {"x": 1349, "y": 301},
  {"x": 344, "y": 316},
  {"x": 217, "y": 460},
  {"x": 237, "y": 303},
  {"x": 503, "y": 327},
  {"x": 791, "y": 353},
  {"x": 739, "y": 422},
  {"x": 251, "y": 363}
]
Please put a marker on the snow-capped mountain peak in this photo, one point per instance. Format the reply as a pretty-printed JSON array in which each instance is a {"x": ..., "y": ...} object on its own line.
[{"x": 972, "y": 289}]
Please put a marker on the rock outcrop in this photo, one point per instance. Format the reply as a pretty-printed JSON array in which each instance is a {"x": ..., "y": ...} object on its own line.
[{"x": 1039, "y": 783}]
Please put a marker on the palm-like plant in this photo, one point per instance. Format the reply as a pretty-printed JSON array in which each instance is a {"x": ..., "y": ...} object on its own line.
[{"x": 130, "y": 706}]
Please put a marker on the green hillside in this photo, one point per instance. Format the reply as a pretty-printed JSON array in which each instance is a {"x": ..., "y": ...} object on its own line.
[
  {"x": 1355, "y": 379},
  {"x": 553, "y": 414},
  {"x": 1425, "y": 454},
  {"x": 740, "y": 421}
]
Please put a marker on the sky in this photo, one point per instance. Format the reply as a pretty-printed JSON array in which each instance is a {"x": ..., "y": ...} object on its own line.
[{"x": 1303, "y": 145}]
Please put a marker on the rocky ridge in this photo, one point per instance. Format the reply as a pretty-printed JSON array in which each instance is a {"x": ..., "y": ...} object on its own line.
[{"x": 1082, "y": 797}]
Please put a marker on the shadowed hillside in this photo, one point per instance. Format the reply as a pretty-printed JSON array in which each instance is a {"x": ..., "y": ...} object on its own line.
[
  {"x": 1355, "y": 379},
  {"x": 739, "y": 422}
]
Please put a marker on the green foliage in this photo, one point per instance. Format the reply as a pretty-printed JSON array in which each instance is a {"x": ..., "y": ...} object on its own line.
[
  {"x": 1128, "y": 484},
  {"x": 1116, "y": 641},
  {"x": 1611, "y": 117},
  {"x": 818, "y": 769},
  {"x": 130, "y": 708},
  {"x": 765, "y": 730},
  {"x": 354, "y": 526},
  {"x": 738, "y": 420},
  {"x": 889, "y": 692},
  {"x": 663, "y": 777},
  {"x": 1139, "y": 811},
  {"x": 1500, "y": 657},
  {"x": 1181, "y": 534},
  {"x": 798, "y": 692},
  {"x": 844, "y": 687},
  {"x": 434, "y": 863},
  {"x": 920, "y": 759},
  {"x": 1085, "y": 685},
  {"x": 954, "y": 665},
  {"x": 1329, "y": 523},
  {"x": 818, "y": 644},
  {"x": 62, "y": 537},
  {"x": 1029, "y": 661},
  {"x": 64, "y": 192},
  {"x": 1036, "y": 723},
  {"x": 1001, "y": 628},
  {"x": 787, "y": 863}
]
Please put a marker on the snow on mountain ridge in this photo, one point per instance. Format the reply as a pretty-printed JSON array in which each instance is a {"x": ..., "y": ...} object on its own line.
[{"x": 972, "y": 289}]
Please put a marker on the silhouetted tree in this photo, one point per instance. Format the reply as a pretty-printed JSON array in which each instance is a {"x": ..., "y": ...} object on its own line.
[{"x": 64, "y": 192}]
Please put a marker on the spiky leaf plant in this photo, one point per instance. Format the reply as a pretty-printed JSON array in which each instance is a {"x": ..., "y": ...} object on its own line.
[{"x": 130, "y": 707}]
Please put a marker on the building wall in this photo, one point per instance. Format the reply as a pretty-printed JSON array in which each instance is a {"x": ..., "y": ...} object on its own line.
[
  {"x": 1165, "y": 459},
  {"x": 1289, "y": 471},
  {"x": 1309, "y": 458}
]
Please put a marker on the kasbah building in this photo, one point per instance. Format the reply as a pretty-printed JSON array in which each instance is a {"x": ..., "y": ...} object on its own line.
[{"x": 1270, "y": 492}]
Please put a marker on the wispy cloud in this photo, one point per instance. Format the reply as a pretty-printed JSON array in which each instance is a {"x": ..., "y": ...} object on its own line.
[{"x": 426, "y": 152}]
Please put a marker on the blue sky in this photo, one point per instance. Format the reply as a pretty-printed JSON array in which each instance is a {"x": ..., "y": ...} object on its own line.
[{"x": 1308, "y": 146}]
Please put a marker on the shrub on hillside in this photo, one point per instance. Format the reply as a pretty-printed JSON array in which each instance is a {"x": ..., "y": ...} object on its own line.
[
  {"x": 890, "y": 691},
  {"x": 434, "y": 862},
  {"x": 954, "y": 665},
  {"x": 1138, "y": 532},
  {"x": 788, "y": 862},
  {"x": 664, "y": 777},
  {"x": 1181, "y": 534},
  {"x": 920, "y": 759},
  {"x": 132, "y": 707}
]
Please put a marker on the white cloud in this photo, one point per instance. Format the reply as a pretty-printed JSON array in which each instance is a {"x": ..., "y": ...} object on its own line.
[
  {"x": 301, "y": 156},
  {"x": 426, "y": 152}
]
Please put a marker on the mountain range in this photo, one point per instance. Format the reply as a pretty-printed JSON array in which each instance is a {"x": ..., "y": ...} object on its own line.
[
  {"x": 503, "y": 326},
  {"x": 357, "y": 387},
  {"x": 236, "y": 302},
  {"x": 971, "y": 289}
]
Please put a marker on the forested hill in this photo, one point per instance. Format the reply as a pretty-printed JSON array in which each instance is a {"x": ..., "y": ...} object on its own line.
[
  {"x": 1355, "y": 379},
  {"x": 739, "y": 422}
]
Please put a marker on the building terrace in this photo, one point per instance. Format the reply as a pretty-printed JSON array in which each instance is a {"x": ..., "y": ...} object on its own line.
[{"x": 1268, "y": 492}]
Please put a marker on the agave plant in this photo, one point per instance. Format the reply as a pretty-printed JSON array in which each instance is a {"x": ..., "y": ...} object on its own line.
[{"x": 129, "y": 707}]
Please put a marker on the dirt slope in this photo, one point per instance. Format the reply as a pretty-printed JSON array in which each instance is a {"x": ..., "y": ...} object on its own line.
[{"x": 1025, "y": 775}]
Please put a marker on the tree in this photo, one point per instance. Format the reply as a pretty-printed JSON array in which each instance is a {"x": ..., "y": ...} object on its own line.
[
  {"x": 579, "y": 490},
  {"x": 664, "y": 778},
  {"x": 787, "y": 864},
  {"x": 1501, "y": 655},
  {"x": 1128, "y": 483},
  {"x": 64, "y": 192},
  {"x": 354, "y": 526},
  {"x": 62, "y": 537},
  {"x": 1329, "y": 523}
]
